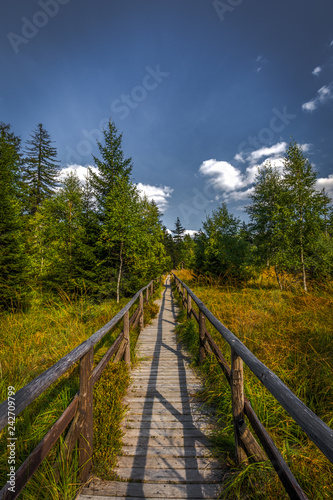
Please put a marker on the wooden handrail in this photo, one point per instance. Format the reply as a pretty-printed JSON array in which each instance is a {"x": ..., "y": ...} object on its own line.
[
  {"x": 36, "y": 387},
  {"x": 320, "y": 433},
  {"x": 313, "y": 426},
  {"x": 79, "y": 411}
]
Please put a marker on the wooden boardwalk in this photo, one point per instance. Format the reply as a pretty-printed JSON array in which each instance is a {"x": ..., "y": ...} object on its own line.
[{"x": 166, "y": 452}]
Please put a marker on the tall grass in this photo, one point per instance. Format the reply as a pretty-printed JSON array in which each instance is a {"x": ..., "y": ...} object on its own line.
[
  {"x": 31, "y": 342},
  {"x": 292, "y": 333}
]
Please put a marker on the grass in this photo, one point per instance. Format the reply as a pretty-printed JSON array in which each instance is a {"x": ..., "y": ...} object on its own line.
[
  {"x": 31, "y": 342},
  {"x": 292, "y": 333}
]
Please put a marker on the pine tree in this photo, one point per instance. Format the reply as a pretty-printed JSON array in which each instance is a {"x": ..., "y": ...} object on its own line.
[
  {"x": 111, "y": 167},
  {"x": 12, "y": 250},
  {"x": 41, "y": 168},
  {"x": 178, "y": 235}
]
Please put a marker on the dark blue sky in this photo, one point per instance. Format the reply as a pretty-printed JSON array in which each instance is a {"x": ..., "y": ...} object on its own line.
[{"x": 192, "y": 84}]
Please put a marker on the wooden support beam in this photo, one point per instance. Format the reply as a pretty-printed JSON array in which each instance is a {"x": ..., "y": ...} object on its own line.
[
  {"x": 237, "y": 395},
  {"x": 189, "y": 305},
  {"x": 141, "y": 321},
  {"x": 202, "y": 330},
  {"x": 85, "y": 411},
  {"x": 127, "y": 354}
]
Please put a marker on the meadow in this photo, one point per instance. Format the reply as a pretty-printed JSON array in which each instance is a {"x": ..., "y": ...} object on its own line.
[
  {"x": 291, "y": 332},
  {"x": 30, "y": 343}
]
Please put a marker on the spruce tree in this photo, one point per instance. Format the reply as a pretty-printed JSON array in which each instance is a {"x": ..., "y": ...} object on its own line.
[
  {"x": 111, "y": 167},
  {"x": 41, "y": 168},
  {"x": 12, "y": 251}
]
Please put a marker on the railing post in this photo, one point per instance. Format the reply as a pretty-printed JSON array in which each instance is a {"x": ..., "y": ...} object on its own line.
[
  {"x": 147, "y": 294},
  {"x": 141, "y": 322},
  {"x": 127, "y": 353},
  {"x": 189, "y": 305},
  {"x": 202, "y": 329},
  {"x": 237, "y": 395},
  {"x": 85, "y": 410}
]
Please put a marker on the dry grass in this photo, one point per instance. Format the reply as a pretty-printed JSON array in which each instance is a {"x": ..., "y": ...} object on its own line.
[{"x": 292, "y": 333}]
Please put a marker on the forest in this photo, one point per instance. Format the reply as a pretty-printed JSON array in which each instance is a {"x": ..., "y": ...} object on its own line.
[{"x": 103, "y": 239}]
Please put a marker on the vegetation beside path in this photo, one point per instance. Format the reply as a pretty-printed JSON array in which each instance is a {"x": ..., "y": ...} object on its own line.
[
  {"x": 292, "y": 333},
  {"x": 30, "y": 343}
]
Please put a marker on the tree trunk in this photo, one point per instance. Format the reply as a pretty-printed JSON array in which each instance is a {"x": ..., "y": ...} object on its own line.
[
  {"x": 278, "y": 278},
  {"x": 120, "y": 269}
]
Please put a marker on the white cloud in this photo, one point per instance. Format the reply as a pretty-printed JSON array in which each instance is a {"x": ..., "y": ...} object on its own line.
[
  {"x": 276, "y": 149},
  {"x": 230, "y": 181},
  {"x": 323, "y": 95},
  {"x": 316, "y": 71},
  {"x": 80, "y": 171},
  {"x": 191, "y": 232},
  {"x": 224, "y": 175},
  {"x": 327, "y": 183},
  {"x": 158, "y": 194}
]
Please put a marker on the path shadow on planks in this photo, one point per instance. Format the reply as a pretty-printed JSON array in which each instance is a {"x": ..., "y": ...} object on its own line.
[{"x": 190, "y": 431}]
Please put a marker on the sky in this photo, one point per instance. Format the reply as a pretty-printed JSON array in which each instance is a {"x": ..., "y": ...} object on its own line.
[{"x": 203, "y": 91}]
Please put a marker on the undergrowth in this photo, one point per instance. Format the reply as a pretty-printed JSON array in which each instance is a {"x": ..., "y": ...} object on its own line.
[
  {"x": 291, "y": 333},
  {"x": 30, "y": 343}
]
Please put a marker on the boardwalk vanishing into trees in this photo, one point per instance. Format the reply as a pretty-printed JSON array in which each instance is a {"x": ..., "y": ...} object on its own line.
[{"x": 166, "y": 451}]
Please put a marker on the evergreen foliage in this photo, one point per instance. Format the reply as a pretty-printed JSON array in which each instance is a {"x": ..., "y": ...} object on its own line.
[
  {"x": 41, "y": 168},
  {"x": 13, "y": 262}
]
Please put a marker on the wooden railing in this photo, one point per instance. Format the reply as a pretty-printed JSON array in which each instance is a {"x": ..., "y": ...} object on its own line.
[
  {"x": 80, "y": 410},
  {"x": 246, "y": 444}
]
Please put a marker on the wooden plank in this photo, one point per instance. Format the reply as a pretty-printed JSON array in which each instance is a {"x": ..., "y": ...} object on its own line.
[
  {"x": 164, "y": 432},
  {"x": 31, "y": 464},
  {"x": 171, "y": 451},
  {"x": 167, "y": 474},
  {"x": 195, "y": 463},
  {"x": 162, "y": 490},
  {"x": 311, "y": 424},
  {"x": 166, "y": 441}
]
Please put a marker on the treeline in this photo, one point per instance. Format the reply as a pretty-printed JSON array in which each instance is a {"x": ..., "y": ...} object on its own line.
[
  {"x": 290, "y": 229},
  {"x": 100, "y": 237}
]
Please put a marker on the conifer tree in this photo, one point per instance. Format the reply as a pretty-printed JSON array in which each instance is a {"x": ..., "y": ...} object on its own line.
[
  {"x": 41, "y": 168},
  {"x": 12, "y": 250},
  {"x": 111, "y": 167}
]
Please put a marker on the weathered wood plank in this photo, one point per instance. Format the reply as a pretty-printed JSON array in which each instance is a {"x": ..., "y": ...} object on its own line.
[
  {"x": 170, "y": 451},
  {"x": 195, "y": 463},
  {"x": 162, "y": 490},
  {"x": 168, "y": 474}
]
